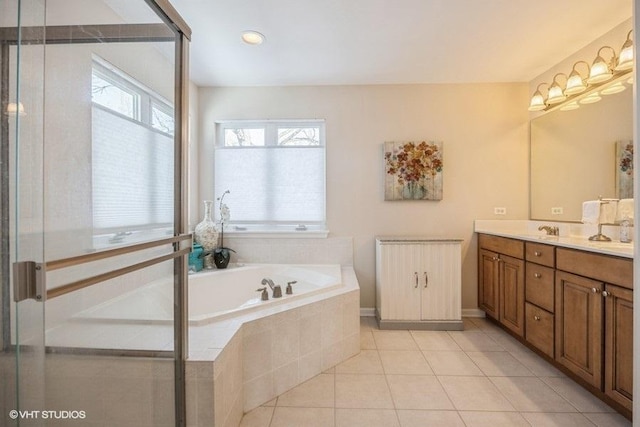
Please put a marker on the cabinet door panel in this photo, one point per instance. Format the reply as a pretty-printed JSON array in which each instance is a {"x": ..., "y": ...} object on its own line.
[
  {"x": 619, "y": 345},
  {"x": 488, "y": 283},
  {"x": 579, "y": 334},
  {"x": 512, "y": 293},
  {"x": 440, "y": 282},
  {"x": 401, "y": 292}
]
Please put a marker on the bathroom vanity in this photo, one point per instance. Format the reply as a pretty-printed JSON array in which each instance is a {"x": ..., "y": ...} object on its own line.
[
  {"x": 568, "y": 299},
  {"x": 418, "y": 283}
]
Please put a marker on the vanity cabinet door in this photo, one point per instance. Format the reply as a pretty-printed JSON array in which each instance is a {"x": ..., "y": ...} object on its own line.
[
  {"x": 511, "y": 288},
  {"x": 618, "y": 380},
  {"x": 579, "y": 330},
  {"x": 488, "y": 281}
]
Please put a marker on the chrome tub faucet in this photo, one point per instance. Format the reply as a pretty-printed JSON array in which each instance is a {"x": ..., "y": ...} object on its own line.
[{"x": 277, "y": 290}]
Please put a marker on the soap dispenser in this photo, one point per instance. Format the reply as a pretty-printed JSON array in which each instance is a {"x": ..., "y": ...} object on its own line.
[{"x": 625, "y": 230}]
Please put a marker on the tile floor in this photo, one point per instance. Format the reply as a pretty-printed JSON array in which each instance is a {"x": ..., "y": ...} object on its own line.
[{"x": 477, "y": 377}]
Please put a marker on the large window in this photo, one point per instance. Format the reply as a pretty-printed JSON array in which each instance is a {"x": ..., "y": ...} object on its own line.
[
  {"x": 275, "y": 171},
  {"x": 132, "y": 154}
]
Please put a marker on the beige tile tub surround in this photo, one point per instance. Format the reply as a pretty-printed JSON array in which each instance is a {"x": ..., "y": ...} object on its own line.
[
  {"x": 497, "y": 386},
  {"x": 260, "y": 356}
]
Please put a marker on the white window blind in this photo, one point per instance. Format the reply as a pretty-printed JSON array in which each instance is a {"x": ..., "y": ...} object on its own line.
[
  {"x": 132, "y": 159},
  {"x": 275, "y": 172}
]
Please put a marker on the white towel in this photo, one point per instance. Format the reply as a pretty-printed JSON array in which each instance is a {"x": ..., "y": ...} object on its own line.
[
  {"x": 599, "y": 212},
  {"x": 625, "y": 210}
]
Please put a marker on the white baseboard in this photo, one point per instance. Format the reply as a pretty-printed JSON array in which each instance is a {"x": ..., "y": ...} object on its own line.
[
  {"x": 472, "y": 312},
  {"x": 367, "y": 311}
]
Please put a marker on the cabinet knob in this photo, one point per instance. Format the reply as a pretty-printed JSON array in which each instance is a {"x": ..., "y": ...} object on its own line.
[
  {"x": 537, "y": 253},
  {"x": 416, "y": 274},
  {"x": 495, "y": 258},
  {"x": 536, "y": 318},
  {"x": 595, "y": 290},
  {"x": 537, "y": 275},
  {"x": 606, "y": 294}
]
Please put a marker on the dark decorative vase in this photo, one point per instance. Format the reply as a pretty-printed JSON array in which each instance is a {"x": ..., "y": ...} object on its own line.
[{"x": 221, "y": 257}]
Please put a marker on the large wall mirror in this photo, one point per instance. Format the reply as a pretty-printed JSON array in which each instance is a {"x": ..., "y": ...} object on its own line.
[{"x": 576, "y": 156}]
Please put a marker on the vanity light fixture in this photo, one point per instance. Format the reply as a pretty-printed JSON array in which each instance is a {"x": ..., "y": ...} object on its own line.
[
  {"x": 537, "y": 100},
  {"x": 573, "y": 105},
  {"x": 600, "y": 69},
  {"x": 625, "y": 61},
  {"x": 252, "y": 37},
  {"x": 591, "y": 98},
  {"x": 575, "y": 82},
  {"x": 556, "y": 94},
  {"x": 598, "y": 74},
  {"x": 614, "y": 88}
]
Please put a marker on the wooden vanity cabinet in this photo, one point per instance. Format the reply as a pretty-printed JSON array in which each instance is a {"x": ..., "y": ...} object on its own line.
[
  {"x": 540, "y": 297},
  {"x": 618, "y": 358},
  {"x": 501, "y": 281},
  {"x": 576, "y": 307}
]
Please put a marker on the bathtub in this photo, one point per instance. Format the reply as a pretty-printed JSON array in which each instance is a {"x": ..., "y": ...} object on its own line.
[{"x": 218, "y": 294}]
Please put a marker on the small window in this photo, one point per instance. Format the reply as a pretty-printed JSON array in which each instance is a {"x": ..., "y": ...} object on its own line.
[
  {"x": 162, "y": 118},
  {"x": 275, "y": 171},
  {"x": 110, "y": 94}
]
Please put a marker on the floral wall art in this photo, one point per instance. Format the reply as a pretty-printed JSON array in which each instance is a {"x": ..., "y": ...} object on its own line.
[
  {"x": 624, "y": 169},
  {"x": 413, "y": 170}
]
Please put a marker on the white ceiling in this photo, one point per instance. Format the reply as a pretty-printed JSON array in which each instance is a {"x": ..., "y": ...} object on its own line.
[{"x": 320, "y": 42}]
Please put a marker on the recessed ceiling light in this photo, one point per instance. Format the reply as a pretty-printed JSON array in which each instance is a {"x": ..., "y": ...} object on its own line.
[{"x": 252, "y": 37}]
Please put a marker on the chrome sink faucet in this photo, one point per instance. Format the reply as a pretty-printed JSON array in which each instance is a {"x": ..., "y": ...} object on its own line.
[
  {"x": 277, "y": 290},
  {"x": 551, "y": 230}
]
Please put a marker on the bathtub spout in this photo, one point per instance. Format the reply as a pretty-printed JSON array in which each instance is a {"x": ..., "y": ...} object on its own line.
[{"x": 277, "y": 290}]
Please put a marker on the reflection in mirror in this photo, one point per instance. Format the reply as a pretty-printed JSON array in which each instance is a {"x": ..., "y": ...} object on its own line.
[{"x": 576, "y": 154}]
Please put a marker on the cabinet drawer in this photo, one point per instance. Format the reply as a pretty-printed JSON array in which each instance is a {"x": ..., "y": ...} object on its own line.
[
  {"x": 502, "y": 245},
  {"x": 540, "y": 254},
  {"x": 605, "y": 268},
  {"x": 539, "y": 328},
  {"x": 539, "y": 288}
]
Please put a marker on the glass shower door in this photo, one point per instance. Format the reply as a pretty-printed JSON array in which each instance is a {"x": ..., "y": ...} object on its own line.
[{"x": 22, "y": 387}]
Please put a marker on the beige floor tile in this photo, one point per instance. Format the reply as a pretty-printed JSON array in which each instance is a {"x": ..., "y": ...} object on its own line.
[
  {"x": 366, "y": 362},
  {"x": 531, "y": 394},
  {"x": 410, "y": 362},
  {"x": 452, "y": 363},
  {"x": 413, "y": 418},
  {"x": 368, "y": 323},
  {"x": 469, "y": 324},
  {"x": 418, "y": 392},
  {"x": 307, "y": 417},
  {"x": 366, "y": 418},
  {"x": 362, "y": 391},
  {"x": 493, "y": 419},
  {"x": 475, "y": 341},
  {"x": 608, "y": 420},
  {"x": 475, "y": 394},
  {"x": 507, "y": 342},
  {"x": 394, "y": 340},
  {"x": 318, "y": 392},
  {"x": 499, "y": 364},
  {"x": 580, "y": 398},
  {"x": 271, "y": 402},
  {"x": 366, "y": 340},
  {"x": 259, "y": 417},
  {"x": 541, "y": 419},
  {"x": 484, "y": 324},
  {"x": 536, "y": 364},
  {"x": 434, "y": 340}
]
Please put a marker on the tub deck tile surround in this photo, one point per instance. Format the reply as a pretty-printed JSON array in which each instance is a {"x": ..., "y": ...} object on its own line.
[{"x": 258, "y": 356}]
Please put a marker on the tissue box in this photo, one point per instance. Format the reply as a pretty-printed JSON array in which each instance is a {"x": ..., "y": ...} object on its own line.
[{"x": 195, "y": 260}]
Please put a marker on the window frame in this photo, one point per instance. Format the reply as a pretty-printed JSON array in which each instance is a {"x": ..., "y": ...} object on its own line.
[{"x": 275, "y": 228}]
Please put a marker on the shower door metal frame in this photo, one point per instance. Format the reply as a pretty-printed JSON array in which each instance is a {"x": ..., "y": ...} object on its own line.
[{"x": 181, "y": 36}]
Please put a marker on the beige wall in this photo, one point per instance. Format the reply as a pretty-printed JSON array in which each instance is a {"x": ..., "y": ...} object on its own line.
[{"x": 483, "y": 128}]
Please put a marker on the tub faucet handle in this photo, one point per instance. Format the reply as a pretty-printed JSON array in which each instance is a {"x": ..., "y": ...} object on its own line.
[
  {"x": 265, "y": 294},
  {"x": 289, "y": 288}
]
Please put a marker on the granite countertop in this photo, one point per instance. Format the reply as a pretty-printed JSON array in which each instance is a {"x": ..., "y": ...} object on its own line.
[{"x": 527, "y": 230}]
